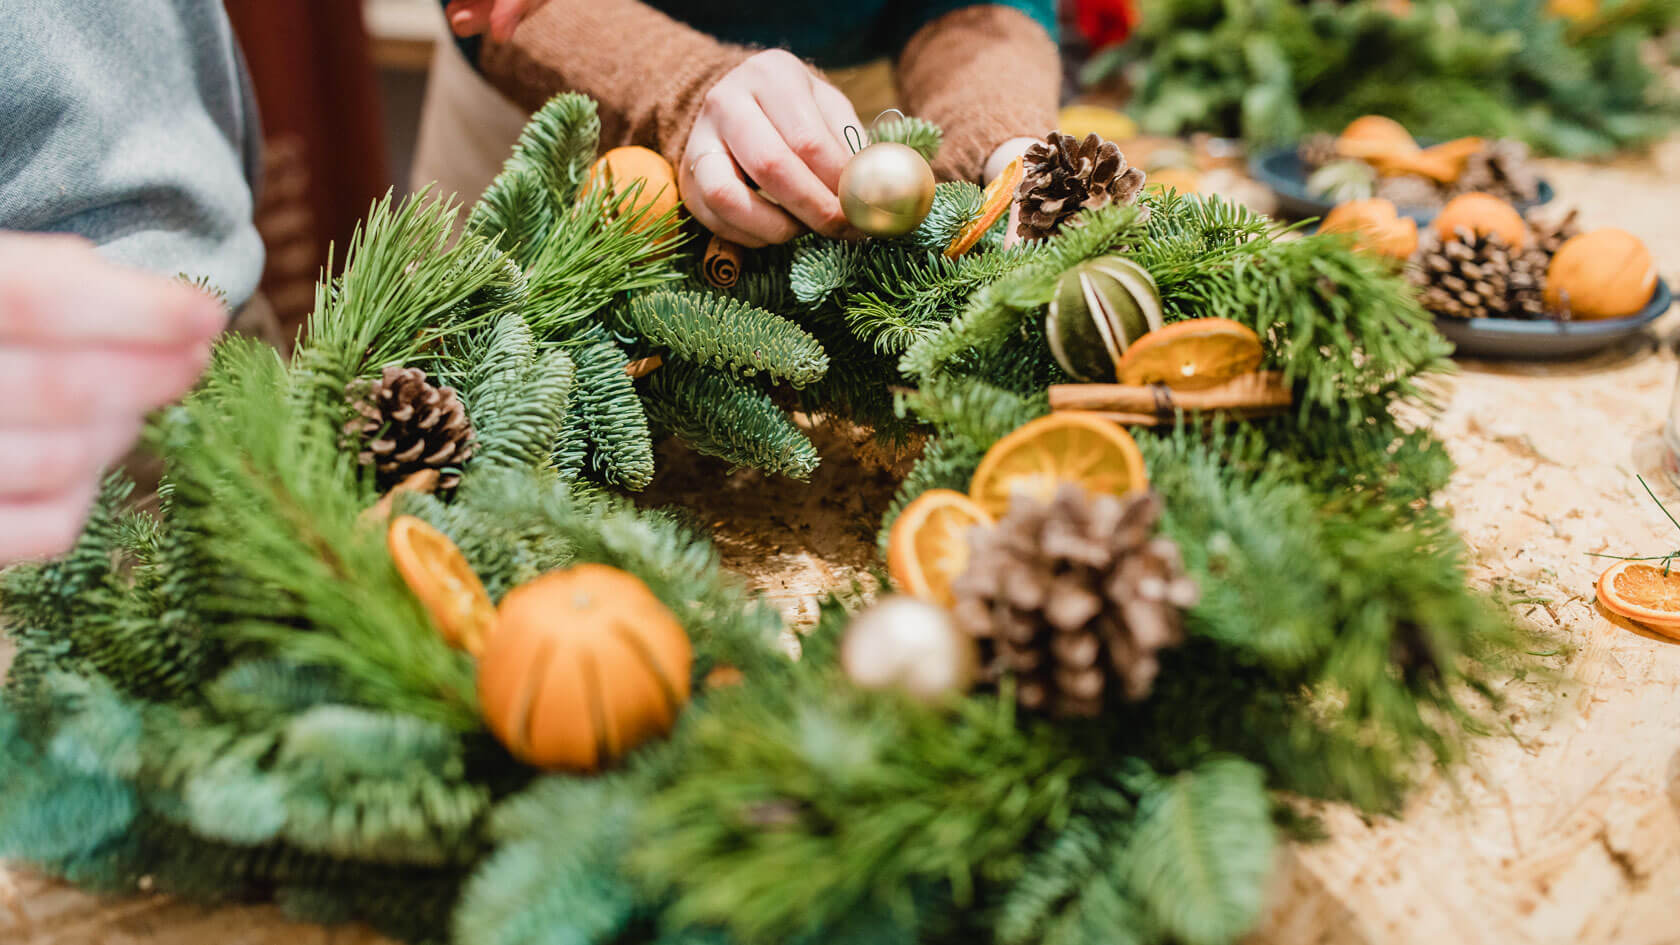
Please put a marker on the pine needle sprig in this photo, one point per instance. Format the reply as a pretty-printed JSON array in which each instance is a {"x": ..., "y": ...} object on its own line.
[
  {"x": 911, "y": 295},
  {"x": 720, "y": 416},
  {"x": 516, "y": 396},
  {"x": 955, "y": 203},
  {"x": 917, "y": 133},
  {"x": 705, "y": 328},
  {"x": 611, "y": 419}
]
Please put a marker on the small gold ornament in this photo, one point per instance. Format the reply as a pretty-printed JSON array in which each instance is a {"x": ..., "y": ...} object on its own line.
[
  {"x": 910, "y": 645},
  {"x": 886, "y": 189}
]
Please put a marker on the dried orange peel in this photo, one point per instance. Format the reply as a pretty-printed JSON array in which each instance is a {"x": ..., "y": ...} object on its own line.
[
  {"x": 1643, "y": 592},
  {"x": 928, "y": 545},
  {"x": 1068, "y": 446},
  {"x": 1192, "y": 355},
  {"x": 994, "y": 203},
  {"x": 439, "y": 575}
]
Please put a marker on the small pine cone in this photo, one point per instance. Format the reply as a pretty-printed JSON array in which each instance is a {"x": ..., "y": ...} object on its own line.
[
  {"x": 1528, "y": 283},
  {"x": 1075, "y": 598},
  {"x": 1065, "y": 175},
  {"x": 1410, "y": 190},
  {"x": 1503, "y": 169},
  {"x": 1317, "y": 150},
  {"x": 405, "y": 423},
  {"x": 1466, "y": 276},
  {"x": 1549, "y": 235}
]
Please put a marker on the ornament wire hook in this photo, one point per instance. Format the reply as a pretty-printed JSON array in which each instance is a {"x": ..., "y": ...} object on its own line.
[
  {"x": 854, "y": 138},
  {"x": 885, "y": 113}
]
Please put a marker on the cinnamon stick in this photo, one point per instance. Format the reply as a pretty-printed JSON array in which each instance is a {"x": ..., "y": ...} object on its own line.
[
  {"x": 1260, "y": 391},
  {"x": 722, "y": 263}
]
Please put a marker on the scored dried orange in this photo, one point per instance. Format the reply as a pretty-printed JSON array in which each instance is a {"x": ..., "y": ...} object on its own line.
[
  {"x": 928, "y": 545},
  {"x": 436, "y": 571},
  {"x": 994, "y": 203},
  {"x": 1642, "y": 592},
  {"x": 1192, "y": 355},
  {"x": 1067, "y": 446}
]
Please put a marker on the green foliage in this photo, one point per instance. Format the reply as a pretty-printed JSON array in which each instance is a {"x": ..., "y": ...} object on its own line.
[
  {"x": 725, "y": 333},
  {"x": 918, "y": 133},
  {"x": 720, "y": 416},
  {"x": 517, "y": 397},
  {"x": 955, "y": 203},
  {"x": 610, "y": 417},
  {"x": 1270, "y": 69}
]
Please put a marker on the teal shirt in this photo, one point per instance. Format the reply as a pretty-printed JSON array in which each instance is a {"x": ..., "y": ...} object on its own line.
[{"x": 831, "y": 35}]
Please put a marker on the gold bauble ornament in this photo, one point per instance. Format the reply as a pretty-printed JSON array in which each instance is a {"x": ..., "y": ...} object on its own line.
[
  {"x": 886, "y": 189},
  {"x": 910, "y": 645}
]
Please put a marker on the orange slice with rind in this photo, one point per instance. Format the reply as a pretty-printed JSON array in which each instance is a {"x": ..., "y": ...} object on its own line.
[
  {"x": 439, "y": 575},
  {"x": 1645, "y": 592},
  {"x": 928, "y": 545},
  {"x": 1067, "y": 446},
  {"x": 994, "y": 203},
  {"x": 1192, "y": 355}
]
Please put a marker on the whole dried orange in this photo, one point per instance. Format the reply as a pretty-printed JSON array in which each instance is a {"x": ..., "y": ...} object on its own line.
[
  {"x": 1643, "y": 592},
  {"x": 436, "y": 571},
  {"x": 1192, "y": 355},
  {"x": 994, "y": 203},
  {"x": 1067, "y": 446},
  {"x": 928, "y": 545}
]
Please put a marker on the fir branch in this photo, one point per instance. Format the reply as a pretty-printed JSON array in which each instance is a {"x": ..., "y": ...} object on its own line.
[
  {"x": 720, "y": 416},
  {"x": 955, "y": 203},
  {"x": 823, "y": 268},
  {"x": 914, "y": 294},
  {"x": 917, "y": 133},
  {"x": 517, "y": 399},
  {"x": 620, "y": 446},
  {"x": 725, "y": 333}
]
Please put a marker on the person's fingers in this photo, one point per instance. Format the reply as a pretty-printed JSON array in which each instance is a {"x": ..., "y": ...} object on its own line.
[
  {"x": 58, "y": 292},
  {"x": 758, "y": 147},
  {"x": 505, "y": 17},
  {"x": 468, "y": 17},
  {"x": 38, "y": 462},
  {"x": 50, "y": 387},
  {"x": 806, "y": 130},
  {"x": 47, "y": 525},
  {"x": 837, "y": 111},
  {"x": 721, "y": 200}
]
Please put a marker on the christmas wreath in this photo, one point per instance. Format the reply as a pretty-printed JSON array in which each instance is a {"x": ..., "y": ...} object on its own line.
[{"x": 503, "y": 704}]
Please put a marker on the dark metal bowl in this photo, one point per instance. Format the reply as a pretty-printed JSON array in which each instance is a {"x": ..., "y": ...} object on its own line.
[{"x": 1546, "y": 339}]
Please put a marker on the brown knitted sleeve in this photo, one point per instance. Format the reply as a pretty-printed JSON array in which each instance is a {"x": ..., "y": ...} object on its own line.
[
  {"x": 985, "y": 74},
  {"x": 648, "y": 73}
]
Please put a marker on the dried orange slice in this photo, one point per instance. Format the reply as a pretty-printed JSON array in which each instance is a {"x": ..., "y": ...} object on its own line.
[
  {"x": 1192, "y": 355},
  {"x": 1068, "y": 446},
  {"x": 1643, "y": 592},
  {"x": 436, "y": 571},
  {"x": 994, "y": 203},
  {"x": 928, "y": 545}
]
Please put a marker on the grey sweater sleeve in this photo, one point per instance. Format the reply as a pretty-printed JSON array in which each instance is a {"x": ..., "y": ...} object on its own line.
[{"x": 131, "y": 123}]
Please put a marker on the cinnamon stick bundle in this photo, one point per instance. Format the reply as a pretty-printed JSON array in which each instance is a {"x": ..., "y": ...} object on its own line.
[
  {"x": 722, "y": 263},
  {"x": 1249, "y": 395}
]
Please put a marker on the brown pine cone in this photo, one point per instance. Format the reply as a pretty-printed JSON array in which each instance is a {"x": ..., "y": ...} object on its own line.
[
  {"x": 405, "y": 423},
  {"x": 1410, "y": 190},
  {"x": 1550, "y": 233},
  {"x": 1074, "y": 598},
  {"x": 1064, "y": 175},
  {"x": 1467, "y": 276},
  {"x": 1503, "y": 169},
  {"x": 1317, "y": 150}
]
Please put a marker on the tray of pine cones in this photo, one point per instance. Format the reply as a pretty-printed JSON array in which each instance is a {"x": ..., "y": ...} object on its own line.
[{"x": 1376, "y": 157}]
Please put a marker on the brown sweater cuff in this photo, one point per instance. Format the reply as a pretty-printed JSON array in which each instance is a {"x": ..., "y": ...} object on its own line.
[
  {"x": 648, "y": 73},
  {"x": 985, "y": 74}
]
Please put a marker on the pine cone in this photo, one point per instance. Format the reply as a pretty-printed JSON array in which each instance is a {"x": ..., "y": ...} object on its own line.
[
  {"x": 1410, "y": 190},
  {"x": 1502, "y": 169},
  {"x": 1065, "y": 175},
  {"x": 1467, "y": 276},
  {"x": 1071, "y": 595},
  {"x": 405, "y": 423},
  {"x": 1317, "y": 150},
  {"x": 1549, "y": 235}
]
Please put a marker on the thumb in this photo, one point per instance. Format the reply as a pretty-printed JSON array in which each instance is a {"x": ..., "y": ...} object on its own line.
[{"x": 59, "y": 292}]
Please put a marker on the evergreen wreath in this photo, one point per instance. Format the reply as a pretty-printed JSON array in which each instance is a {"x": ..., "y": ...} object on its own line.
[{"x": 241, "y": 698}]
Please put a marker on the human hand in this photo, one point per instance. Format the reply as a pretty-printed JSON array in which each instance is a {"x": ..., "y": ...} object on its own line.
[
  {"x": 497, "y": 17},
  {"x": 87, "y": 347},
  {"x": 771, "y": 123}
]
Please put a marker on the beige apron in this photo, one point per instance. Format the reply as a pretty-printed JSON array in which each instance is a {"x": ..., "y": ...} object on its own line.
[{"x": 467, "y": 128}]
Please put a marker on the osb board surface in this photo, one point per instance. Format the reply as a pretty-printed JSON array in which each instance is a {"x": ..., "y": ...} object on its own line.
[{"x": 1563, "y": 829}]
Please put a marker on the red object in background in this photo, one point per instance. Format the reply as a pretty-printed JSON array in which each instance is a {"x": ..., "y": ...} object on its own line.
[
  {"x": 1104, "y": 23},
  {"x": 324, "y": 159}
]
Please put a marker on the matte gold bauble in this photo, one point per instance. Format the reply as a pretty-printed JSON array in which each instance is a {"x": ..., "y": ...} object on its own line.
[
  {"x": 910, "y": 645},
  {"x": 886, "y": 189}
]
